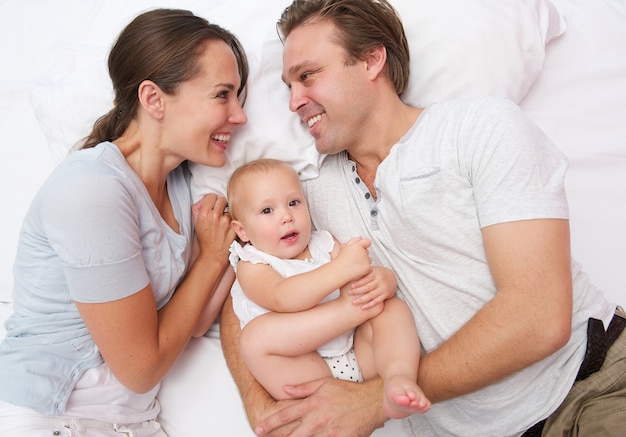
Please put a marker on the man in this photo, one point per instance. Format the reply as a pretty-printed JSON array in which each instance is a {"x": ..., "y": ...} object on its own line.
[{"x": 464, "y": 200}]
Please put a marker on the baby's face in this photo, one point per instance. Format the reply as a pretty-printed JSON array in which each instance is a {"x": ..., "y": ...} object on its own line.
[{"x": 274, "y": 214}]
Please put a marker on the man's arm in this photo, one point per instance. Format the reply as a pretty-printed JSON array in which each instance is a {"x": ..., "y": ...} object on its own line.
[
  {"x": 257, "y": 401},
  {"x": 528, "y": 319}
]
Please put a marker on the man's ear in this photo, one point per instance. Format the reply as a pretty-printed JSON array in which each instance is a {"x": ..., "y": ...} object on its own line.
[
  {"x": 239, "y": 230},
  {"x": 151, "y": 98},
  {"x": 376, "y": 60}
]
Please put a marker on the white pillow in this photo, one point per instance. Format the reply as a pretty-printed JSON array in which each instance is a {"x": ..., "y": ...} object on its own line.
[
  {"x": 458, "y": 48},
  {"x": 476, "y": 48}
]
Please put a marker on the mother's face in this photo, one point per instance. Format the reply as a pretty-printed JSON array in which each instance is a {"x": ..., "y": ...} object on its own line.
[{"x": 201, "y": 115}]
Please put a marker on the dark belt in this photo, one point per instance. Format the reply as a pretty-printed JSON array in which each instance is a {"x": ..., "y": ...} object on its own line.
[{"x": 598, "y": 343}]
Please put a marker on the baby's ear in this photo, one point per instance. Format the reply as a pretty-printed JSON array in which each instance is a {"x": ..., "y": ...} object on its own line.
[{"x": 239, "y": 230}]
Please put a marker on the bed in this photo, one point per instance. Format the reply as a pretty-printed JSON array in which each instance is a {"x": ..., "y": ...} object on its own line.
[{"x": 563, "y": 61}]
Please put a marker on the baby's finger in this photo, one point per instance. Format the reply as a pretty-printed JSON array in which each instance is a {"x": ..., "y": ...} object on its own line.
[
  {"x": 351, "y": 241},
  {"x": 372, "y": 303}
]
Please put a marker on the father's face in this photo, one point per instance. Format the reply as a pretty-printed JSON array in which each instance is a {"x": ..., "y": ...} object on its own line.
[{"x": 325, "y": 89}]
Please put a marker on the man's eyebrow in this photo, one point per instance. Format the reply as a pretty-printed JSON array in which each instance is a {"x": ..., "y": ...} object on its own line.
[{"x": 295, "y": 69}]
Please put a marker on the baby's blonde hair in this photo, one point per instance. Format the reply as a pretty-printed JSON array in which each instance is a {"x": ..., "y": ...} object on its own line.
[{"x": 263, "y": 165}]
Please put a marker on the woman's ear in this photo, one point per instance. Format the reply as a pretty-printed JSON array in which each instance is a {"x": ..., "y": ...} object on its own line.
[
  {"x": 151, "y": 98},
  {"x": 239, "y": 230}
]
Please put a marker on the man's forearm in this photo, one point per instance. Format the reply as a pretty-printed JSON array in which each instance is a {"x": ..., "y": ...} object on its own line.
[
  {"x": 479, "y": 355},
  {"x": 255, "y": 397}
]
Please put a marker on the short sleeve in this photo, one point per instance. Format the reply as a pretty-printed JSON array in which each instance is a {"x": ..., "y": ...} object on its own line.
[
  {"x": 91, "y": 221},
  {"x": 516, "y": 172}
]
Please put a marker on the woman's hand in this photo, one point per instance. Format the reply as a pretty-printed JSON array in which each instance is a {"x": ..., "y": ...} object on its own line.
[{"x": 212, "y": 225}]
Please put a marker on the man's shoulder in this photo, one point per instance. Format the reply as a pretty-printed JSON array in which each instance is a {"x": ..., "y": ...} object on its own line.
[{"x": 472, "y": 104}]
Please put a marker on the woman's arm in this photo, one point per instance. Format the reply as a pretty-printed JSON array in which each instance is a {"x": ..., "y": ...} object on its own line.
[
  {"x": 139, "y": 343},
  {"x": 212, "y": 310}
]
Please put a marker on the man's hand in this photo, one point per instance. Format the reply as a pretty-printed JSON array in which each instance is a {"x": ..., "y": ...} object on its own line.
[{"x": 328, "y": 407}]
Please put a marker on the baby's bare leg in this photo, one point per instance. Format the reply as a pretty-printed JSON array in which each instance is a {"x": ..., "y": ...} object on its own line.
[
  {"x": 388, "y": 345},
  {"x": 281, "y": 348},
  {"x": 274, "y": 372}
]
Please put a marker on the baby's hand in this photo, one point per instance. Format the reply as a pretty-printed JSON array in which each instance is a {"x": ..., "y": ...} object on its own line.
[
  {"x": 353, "y": 259},
  {"x": 376, "y": 287},
  {"x": 354, "y": 313}
]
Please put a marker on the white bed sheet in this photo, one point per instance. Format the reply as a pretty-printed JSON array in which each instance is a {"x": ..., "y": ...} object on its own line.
[{"x": 579, "y": 99}]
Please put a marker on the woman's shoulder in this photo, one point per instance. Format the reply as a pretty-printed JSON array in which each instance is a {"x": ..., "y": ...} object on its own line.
[
  {"x": 97, "y": 177},
  {"x": 102, "y": 161}
]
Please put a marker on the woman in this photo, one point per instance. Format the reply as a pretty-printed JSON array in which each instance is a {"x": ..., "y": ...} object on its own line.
[{"x": 115, "y": 270}]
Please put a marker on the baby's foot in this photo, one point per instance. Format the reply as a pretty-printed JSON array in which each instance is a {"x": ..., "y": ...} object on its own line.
[{"x": 403, "y": 397}]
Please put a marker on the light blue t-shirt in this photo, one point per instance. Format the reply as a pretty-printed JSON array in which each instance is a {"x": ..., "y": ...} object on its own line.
[{"x": 92, "y": 234}]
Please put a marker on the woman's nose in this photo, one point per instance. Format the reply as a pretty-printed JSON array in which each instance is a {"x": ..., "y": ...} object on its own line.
[{"x": 238, "y": 116}]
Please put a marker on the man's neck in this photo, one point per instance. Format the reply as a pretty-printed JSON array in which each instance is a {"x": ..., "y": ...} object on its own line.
[
  {"x": 392, "y": 126},
  {"x": 383, "y": 134}
]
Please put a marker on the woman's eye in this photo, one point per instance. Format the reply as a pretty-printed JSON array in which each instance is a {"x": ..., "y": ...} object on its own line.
[{"x": 224, "y": 93}]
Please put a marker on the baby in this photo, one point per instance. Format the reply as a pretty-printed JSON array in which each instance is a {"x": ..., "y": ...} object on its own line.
[{"x": 296, "y": 324}]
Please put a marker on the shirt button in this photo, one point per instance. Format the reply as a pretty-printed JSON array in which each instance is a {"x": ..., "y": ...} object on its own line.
[
  {"x": 373, "y": 213},
  {"x": 357, "y": 180},
  {"x": 368, "y": 195},
  {"x": 353, "y": 168}
]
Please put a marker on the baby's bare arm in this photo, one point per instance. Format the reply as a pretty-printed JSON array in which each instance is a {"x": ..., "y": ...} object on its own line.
[{"x": 267, "y": 288}]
